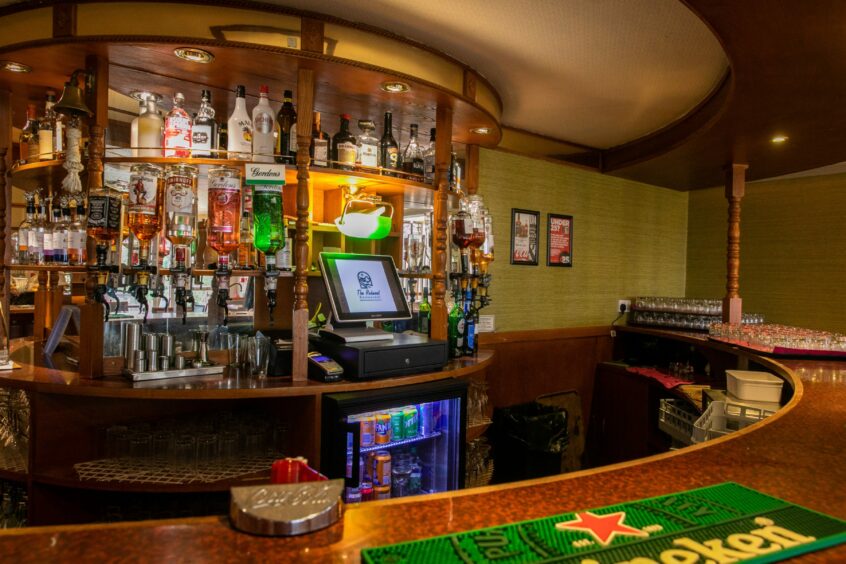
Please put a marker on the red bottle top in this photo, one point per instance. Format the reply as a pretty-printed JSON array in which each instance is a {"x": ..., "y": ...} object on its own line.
[{"x": 263, "y": 89}]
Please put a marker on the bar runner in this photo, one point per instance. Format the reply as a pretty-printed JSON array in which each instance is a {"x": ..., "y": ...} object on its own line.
[{"x": 722, "y": 523}]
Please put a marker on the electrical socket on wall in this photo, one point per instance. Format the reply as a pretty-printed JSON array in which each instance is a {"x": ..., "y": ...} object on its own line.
[{"x": 624, "y": 306}]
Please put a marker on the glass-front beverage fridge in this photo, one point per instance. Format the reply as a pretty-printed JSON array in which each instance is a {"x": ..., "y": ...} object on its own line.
[{"x": 396, "y": 442}]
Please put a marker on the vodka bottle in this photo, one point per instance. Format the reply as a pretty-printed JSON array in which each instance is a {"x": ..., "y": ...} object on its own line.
[
  {"x": 204, "y": 134},
  {"x": 150, "y": 130},
  {"x": 429, "y": 159},
  {"x": 412, "y": 157},
  {"x": 263, "y": 127},
  {"x": 77, "y": 237},
  {"x": 177, "y": 130}
]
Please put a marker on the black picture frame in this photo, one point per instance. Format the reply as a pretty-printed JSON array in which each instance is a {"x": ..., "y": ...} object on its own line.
[
  {"x": 559, "y": 239},
  {"x": 525, "y": 236}
]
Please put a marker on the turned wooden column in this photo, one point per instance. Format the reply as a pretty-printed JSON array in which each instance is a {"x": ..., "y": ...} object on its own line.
[
  {"x": 305, "y": 108},
  {"x": 471, "y": 170},
  {"x": 735, "y": 188},
  {"x": 4, "y": 294},
  {"x": 443, "y": 149}
]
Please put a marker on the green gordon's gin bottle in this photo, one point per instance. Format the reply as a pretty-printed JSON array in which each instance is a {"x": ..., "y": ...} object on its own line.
[
  {"x": 455, "y": 329},
  {"x": 268, "y": 226}
]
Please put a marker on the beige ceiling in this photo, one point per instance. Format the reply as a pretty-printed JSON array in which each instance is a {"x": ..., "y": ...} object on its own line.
[{"x": 596, "y": 72}]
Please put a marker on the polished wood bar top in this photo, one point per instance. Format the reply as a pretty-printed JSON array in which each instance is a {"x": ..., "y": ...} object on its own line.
[
  {"x": 36, "y": 373},
  {"x": 797, "y": 455}
]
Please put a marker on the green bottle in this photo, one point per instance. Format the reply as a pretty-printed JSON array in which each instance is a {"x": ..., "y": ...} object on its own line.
[
  {"x": 268, "y": 225},
  {"x": 455, "y": 330},
  {"x": 424, "y": 314}
]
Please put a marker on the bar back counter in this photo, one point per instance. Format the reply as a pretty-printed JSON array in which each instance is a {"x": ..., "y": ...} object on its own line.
[{"x": 796, "y": 454}]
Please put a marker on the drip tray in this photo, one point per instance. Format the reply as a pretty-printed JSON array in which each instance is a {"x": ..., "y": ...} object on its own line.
[{"x": 173, "y": 373}]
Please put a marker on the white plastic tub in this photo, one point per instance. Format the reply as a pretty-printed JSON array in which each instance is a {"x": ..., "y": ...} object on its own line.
[{"x": 749, "y": 385}]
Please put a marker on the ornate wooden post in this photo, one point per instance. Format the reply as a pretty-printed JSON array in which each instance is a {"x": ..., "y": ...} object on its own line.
[
  {"x": 735, "y": 188},
  {"x": 443, "y": 148},
  {"x": 4, "y": 294},
  {"x": 305, "y": 107}
]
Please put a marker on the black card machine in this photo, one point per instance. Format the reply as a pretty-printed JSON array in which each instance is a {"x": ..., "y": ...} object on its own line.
[{"x": 323, "y": 368}]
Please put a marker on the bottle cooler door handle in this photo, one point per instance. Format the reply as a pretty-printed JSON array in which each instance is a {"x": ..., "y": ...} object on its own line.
[{"x": 354, "y": 480}]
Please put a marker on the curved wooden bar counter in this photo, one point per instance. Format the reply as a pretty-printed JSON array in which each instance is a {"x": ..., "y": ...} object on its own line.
[{"x": 797, "y": 454}]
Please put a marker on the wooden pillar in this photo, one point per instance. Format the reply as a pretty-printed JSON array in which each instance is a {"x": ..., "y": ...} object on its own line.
[
  {"x": 735, "y": 189},
  {"x": 443, "y": 148},
  {"x": 471, "y": 170},
  {"x": 305, "y": 107},
  {"x": 4, "y": 294}
]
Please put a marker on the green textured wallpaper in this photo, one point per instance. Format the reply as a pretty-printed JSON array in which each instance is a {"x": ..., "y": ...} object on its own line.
[
  {"x": 628, "y": 239},
  {"x": 792, "y": 249}
]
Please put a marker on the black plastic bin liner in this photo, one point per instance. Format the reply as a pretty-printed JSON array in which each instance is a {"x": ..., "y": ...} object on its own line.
[{"x": 530, "y": 440}]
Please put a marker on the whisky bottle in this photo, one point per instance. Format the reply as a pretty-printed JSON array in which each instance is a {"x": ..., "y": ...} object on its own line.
[
  {"x": 286, "y": 119},
  {"x": 25, "y": 229},
  {"x": 36, "y": 242},
  {"x": 204, "y": 133},
  {"x": 319, "y": 150},
  {"x": 343, "y": 146},
  {"x": 46, "y": 126},
  {"x": 28, "y": 141},
  {"x": 389, "y": 157},
  {"x": 104, "y": 213}
]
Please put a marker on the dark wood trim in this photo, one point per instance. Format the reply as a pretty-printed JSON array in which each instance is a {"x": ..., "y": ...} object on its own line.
[
  {"x": 64, "y": 19},
  {"x": 537, "y": 335},
  {"x": 694, "y": 122},
  {"x": 311, "y": 35},
  {"x": 470, "y": 77},
  {"x": 471, "y": 169}
]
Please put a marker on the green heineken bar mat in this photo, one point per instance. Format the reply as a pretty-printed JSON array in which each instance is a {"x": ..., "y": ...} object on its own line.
[{"x": 723, "y": 523}]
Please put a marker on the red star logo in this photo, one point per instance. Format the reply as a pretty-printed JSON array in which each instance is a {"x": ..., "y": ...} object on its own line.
[{"x": 602, "y": 527}]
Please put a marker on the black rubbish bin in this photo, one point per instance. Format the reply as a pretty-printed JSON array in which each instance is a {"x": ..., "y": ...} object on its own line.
[{"x": 530, "y": 441}]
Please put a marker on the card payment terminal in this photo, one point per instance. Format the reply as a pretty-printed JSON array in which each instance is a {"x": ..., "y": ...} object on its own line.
[{"x": 323, "y": 368}]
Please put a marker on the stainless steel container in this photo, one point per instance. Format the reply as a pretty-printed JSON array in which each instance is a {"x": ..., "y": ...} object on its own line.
[
  {"x": 164, "y": 362},
  {"x": 179, "y": 362},
  {"x": 153, "y": 363},
  {"x": 139, "y": 363},
  {"x": 130, "y": 333},
  {"x": 166, "y": 345},
  {"x": 151, "y": 342}
]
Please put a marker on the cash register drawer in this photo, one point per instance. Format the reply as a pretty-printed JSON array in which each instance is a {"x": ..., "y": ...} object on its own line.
[{"x": 397, "y": 361}]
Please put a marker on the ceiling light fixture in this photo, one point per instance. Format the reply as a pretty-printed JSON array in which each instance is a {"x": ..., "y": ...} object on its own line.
[
  {"x": 193, "y": 55},
  {"x": 12, "y": 66},
  {"x": 481, "y": 130},
  {"x": 395, "y": 87},
  {"x": 779, "y": 139}
]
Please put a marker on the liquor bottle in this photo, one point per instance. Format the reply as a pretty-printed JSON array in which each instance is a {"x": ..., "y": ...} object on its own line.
[
  {"x": 469, "y": 342},
  {"x": 424, "y": 315},
  {"x": 343, "y": 146},
  {"x": 58, "y": 124},
  {"x": 246, "y": 251},
  {"x": 48, "y": 237},
  {"x": 77, "y": 237},
  {"x": 367, "y": 145},
  {"x": 25, "y": 230},
  {"x": 181, "y": 209},
  {"x": 223, "y": 140},
  {"x": 204, "y": 132},
  {"x": 61, "y": 222},
  {"x": 104, "y": 214},
  {"x": 45, "y": 129},
  {"x": 29, "y": 136},
  {"x": 412, "y": 157},
  {"x": 286, "y": 142},
  {"x": 177, "y": 130},
  {"x": 42, "y": 230},
  {"x": 133, "y": 128},
  {"x": 36, "y": 239},
  {"x": 263, "y": 126},
  {"x": 319, "y": 150},
  {"x": 429, "y": 159},
  {"x": 224, "y": 207},
  {"x": 389, "y": 157},
  {"x": 240, "y": 129},
  {"x": 455, "y": 327},
  {"x": 268, "y": 226},
  {"x": 144, "y": 209},
  {"x": 150, "y": 131},
  {"x": 454, "y": 173}
]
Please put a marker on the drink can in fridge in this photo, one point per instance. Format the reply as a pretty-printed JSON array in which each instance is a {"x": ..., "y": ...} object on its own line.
[
  {"x": 352, "y": 495},
  {"x": 426, "y": 421},
  {"x": 382, "y": 492},
  {"x": 383, "y": 428},
  {"x": 381, "y": 473},
  {"x": 366, "y": 491},
  {"x": 409, "y": 422},
  {"x": 368, "y": 429},
  {"x": 397, "y": 431}
]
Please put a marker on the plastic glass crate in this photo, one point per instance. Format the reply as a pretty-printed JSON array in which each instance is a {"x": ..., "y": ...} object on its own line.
[
  {"x": 675, "y": 420},
  {"x": 722, "y": 418}
]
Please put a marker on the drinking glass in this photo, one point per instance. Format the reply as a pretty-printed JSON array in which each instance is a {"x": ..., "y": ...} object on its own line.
[
  {"x": 259, "y": 354},
  {"x": 233, "y": 345},
  {"x": 185, "y": 452}
]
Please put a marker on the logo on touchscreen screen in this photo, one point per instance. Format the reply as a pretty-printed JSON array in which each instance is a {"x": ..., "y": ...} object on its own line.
[{"x": 365, "y": 294}]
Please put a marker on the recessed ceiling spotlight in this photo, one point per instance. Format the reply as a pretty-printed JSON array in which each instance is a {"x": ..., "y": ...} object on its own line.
[
  {"x": 193, "y": 54},
  {"x": 12, "y": 66},
  {"x": 481, "y": 130},
  {"x": 395, "y": 87},
  {"x": 779, "y": 139}
]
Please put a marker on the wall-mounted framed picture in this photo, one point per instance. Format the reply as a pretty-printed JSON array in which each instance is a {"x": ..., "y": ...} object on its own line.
[
  {"x": 559, "y": 240},
  {"x": 525, "y": 229}
]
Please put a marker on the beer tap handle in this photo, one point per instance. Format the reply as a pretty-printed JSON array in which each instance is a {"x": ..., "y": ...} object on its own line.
[
  {"x": 222, "y": 301},
  {"x": 112, "y": 293},
  {"x": 99, "y": 297},
  {"x": 141, "y": 297}
]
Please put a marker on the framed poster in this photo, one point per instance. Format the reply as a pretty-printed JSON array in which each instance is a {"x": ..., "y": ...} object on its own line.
[
  {"x": 559, "y": 240},
  {"x": 524, "y": 236}
]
